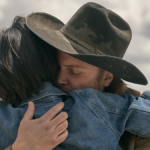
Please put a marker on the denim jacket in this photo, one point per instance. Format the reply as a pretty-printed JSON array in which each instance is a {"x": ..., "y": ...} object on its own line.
[{"x": 96, "y": 119}]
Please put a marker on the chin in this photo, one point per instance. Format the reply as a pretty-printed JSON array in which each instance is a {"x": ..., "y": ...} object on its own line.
[{"x": 66, "y": 90}]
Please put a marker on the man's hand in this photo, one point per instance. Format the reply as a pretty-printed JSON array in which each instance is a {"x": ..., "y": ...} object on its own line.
[
  {"x": 134, "y": 92},
  {"x": 44, "y": 133}
]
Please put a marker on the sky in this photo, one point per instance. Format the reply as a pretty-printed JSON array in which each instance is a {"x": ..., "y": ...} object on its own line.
[{"x": 135, "y": 12}]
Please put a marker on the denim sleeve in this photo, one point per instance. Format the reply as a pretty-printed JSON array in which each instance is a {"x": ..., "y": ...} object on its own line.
[
  {"x": 138, "y": 116},
  {"x": 146, "y": 95},
  {"x": 10, "y": 118},
  {"x": 119, "y": 112}
]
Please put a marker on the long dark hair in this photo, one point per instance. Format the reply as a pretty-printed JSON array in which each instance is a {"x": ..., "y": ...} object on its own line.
[{"x": 25, "y": 63}]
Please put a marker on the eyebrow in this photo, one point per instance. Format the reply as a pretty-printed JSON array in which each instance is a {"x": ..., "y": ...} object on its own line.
[{"x": 74, "y": 66}]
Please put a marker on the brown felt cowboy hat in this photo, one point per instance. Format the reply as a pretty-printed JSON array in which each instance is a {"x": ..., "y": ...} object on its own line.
[{"x": 94, "y": 34}]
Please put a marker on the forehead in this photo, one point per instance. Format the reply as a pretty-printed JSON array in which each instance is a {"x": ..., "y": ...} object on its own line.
[{"x": 65, "y": 59}]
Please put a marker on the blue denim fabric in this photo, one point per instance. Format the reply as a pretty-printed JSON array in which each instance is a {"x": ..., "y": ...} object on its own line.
[{"x": 96, "y": 119}]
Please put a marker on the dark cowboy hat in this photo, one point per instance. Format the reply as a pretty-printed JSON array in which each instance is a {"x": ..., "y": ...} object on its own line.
[{"x": 94, "y": 34}]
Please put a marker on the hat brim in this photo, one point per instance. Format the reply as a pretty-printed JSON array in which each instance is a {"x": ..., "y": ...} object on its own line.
[{"x": 48, "y": 29}]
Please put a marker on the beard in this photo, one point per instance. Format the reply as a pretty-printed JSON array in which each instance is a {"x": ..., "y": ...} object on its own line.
[{"x": 64, "y": 89}]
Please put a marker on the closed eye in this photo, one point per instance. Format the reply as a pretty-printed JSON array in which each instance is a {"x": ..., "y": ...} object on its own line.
[{"x": 74, "y": 72}]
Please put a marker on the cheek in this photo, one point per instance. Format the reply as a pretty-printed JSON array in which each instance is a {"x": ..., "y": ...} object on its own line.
[{"x": 78, "y": 83}]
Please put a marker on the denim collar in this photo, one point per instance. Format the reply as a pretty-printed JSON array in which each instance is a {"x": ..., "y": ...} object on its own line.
[{"x": 47, "y": 90}]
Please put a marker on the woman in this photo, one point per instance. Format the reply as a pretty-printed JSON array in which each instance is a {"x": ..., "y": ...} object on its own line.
[{"x": 26, "y": 62}]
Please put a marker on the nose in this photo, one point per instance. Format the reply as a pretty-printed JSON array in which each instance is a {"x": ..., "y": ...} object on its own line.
[{"x": 62, "y": 79}]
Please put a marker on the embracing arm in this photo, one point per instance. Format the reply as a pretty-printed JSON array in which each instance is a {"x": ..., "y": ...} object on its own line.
[
  {"x": 134, "y": 92},
  {"x": 137, "y": 142},
  {"x": 43, "y": 133}
]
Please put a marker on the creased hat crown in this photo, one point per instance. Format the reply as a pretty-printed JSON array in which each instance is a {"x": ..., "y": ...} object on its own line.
[{"x": 99, "y": 29}]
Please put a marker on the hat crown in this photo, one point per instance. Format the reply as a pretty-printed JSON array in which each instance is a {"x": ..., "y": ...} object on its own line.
[{"x": 99, "y": 29}]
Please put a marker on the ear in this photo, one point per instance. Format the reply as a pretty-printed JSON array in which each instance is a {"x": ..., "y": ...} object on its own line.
[{"x": 108, "y": 79}]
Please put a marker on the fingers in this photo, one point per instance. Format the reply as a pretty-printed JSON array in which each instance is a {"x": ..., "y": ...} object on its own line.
[
  {"x": 49, "y": 115},
  {"x": 59, "y": 119},
  {"x": 62, "y": 127},
  {"x": 29, "y": 112},
  {"x": 62, "y": 136}
]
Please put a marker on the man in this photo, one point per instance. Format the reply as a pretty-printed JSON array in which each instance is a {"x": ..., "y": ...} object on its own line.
[
  {"x": 76, "y": 74},
  {"x": 97, "y": 31},
  {"x": 112, "y": 51}
]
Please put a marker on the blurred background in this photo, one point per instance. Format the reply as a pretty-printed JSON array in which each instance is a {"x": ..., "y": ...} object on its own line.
[{"x": 135, "y": 12}]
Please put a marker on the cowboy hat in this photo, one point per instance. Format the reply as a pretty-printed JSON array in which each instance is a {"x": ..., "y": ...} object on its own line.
[{"x": 94, "y": 35}]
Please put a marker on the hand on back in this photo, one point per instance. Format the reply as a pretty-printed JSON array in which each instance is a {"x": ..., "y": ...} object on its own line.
[{"x": 43, "y": 133}]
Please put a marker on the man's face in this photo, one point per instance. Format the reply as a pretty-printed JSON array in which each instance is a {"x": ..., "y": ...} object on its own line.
[{"x": 76, "y": 74}]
